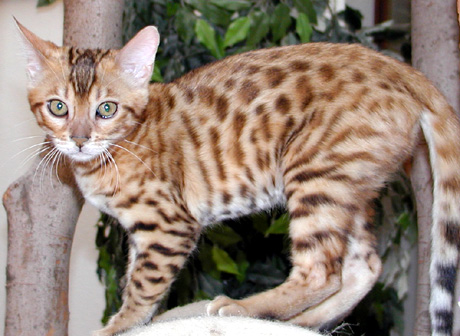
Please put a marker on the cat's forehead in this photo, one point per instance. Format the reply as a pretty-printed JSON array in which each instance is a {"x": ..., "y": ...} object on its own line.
[{"x": 83, "y": 65}]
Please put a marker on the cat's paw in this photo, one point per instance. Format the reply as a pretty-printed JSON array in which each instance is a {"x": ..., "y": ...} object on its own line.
[{"x": 224, "y": 306}]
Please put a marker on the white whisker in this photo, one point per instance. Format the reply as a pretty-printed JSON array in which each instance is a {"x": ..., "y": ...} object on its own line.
[
  {"x": 42, "y": 161},
  {"x": 27, "y": 138},
  {"x": 112, "y": 160},
  {"x": 55, "y": 163},
  {"x": 114, "y": 80},
  {"x": 142, "y": 146},
  {"x": 25, "y": 121},
  {"x": 32, "y": 155},
  {"x": 101, "y": 160},
  {"x": 137, "y": 157},
  {"x": 62, "y": 83},
  {"x": 35, "y": 151},
  {"x": 49, "y": 161},
  {"x": 30, "y": 147}
]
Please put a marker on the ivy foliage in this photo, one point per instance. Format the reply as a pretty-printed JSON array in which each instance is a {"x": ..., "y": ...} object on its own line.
[
  {"x": 243, "y": 257},
  {"x": 43, "y": 3},
  {"x": 196, "y": 32}
]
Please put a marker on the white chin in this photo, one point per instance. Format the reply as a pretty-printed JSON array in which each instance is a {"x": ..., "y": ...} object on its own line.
[{"x": 81, "y": 157}]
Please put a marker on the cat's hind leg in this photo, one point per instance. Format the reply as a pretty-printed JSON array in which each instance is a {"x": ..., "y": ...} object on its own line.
[
  {"x": 320, "y": 228},
  {"x": 361, "y": 269}
]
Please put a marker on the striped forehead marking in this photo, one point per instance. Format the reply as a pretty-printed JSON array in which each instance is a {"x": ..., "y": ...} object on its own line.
[{"x": 83, "y": 64}]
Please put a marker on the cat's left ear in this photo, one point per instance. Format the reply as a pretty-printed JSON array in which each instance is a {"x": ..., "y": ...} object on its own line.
[
  {"x": 36, "y": 51},
  {"x": 138, "y": 55}
]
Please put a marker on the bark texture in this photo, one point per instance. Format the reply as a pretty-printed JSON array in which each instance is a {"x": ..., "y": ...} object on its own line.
[
  {"x": 43, "y": 209},
  {"x": 93, "y": 24},
  {"x": 42, "y": 214},
  {"x": 435, "y": 53}
]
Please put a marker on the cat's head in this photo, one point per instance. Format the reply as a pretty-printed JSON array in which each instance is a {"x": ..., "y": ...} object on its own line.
[{"x": 86, "y": 100}]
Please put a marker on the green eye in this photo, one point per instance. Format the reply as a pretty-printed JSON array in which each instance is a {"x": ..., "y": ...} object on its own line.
[
  {"x": 57, "y": 108},
  {"x": 106, "y": 110}
]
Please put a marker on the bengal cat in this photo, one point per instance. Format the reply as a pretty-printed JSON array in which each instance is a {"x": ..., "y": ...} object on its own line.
[{"x": 318, "y": 128}]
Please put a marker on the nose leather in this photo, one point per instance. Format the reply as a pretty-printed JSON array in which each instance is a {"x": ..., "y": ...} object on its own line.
[{"x": 79, "y": 140}]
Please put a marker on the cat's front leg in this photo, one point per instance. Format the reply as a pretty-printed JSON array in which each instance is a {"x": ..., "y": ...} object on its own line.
[{"x": 158, "y": 250}]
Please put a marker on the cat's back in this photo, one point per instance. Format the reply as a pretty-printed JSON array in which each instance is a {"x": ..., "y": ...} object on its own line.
[
  {"x": 294, "y": 80},
  {"x": 272, "y": 68}
]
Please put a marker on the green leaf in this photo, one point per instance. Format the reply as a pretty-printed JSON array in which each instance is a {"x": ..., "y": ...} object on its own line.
[
  {"x": 223, "y": 235},
  {"x": 306, "y": 7},
  {"x": 237, "y": 31},
  {"x": 404, "y": 220},
  {"x": 260, "y": 222},
  {"x": 171, "y": 8},
  {"x": 232, "y": 5},
  {"x": 183, "y": 285},
  {"x": 279, "y": 226},
  {"x": 184, "y": 21},
  {"x": 156, "y": 75},
  {"x": 43, "y": 3},
  {"x": 243, "y": 265},
  {"x": 201, "y": 295},
  {"x": 211, "y": 12},
  {"x": 260, "y": 26},
  {"x": 220, "y": 46},
  {"x": 207, "y": 36},
  {"x": 280, "y": 21},
  {"x": 289, "y": 39},
  {"x": 207, "y": 263},
  {"x": 304, "y": 28},
  {"x": 224, "y": 262}
]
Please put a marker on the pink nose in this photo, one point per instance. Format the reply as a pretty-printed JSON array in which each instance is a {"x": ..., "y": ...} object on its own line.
[{"x": 79, "y": 140}]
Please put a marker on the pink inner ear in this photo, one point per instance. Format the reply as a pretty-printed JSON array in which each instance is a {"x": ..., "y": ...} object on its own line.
[
  {"x": 35, "y": 48},
  {"x": 33, "y": 67},
  {"x": 138, "y": 55}
]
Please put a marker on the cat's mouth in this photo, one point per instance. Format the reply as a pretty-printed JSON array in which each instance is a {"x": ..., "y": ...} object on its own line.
[{"x": 81, "y": 153}]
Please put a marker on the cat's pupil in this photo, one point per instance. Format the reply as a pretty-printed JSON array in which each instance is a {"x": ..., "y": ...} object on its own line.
[{"x": 106, "y": 107}]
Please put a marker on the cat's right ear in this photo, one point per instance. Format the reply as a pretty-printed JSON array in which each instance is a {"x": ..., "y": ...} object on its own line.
[
  {"x": 137, "y": 57},
  {"x": 35, "y": 49}
]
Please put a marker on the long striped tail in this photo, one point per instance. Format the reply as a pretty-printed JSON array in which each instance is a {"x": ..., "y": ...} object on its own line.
[{"x": 442, "y": 132}]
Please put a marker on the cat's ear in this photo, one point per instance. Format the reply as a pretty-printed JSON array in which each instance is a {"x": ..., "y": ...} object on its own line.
[
  {"x": 35, "y": 49},
  {"x": 138, "y": 55}
]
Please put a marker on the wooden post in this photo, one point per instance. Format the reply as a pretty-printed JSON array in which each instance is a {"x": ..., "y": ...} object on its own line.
[
  {"x": 93, "y": 24},
  {"x": 42, "y": 214},
  {"x": 42, "y": 210},
  {"x": 435, "y": 53}
]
